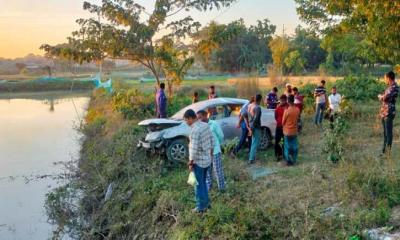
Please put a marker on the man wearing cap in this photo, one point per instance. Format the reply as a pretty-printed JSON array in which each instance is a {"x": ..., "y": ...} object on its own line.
[{"x": 289, "y": 90}]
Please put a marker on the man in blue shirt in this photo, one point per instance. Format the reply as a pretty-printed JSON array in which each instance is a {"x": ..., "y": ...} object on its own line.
[
  {"x": 161, "y": 102},
  {"x": 271, "y": 101}
]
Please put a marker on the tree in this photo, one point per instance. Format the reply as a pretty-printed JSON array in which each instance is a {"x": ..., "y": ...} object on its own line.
[
  {"x": 279, "y": 47},
  {"x": 176, "y": 62},
  {"x": 350, "y": 52},
  {"x": 307, "y": 43},
  {"x": 294, "y": 62},
  {"x": 124, "y": 34},
  {"x": 376, "y": 21},
  {"x": 233, "y": 47}
]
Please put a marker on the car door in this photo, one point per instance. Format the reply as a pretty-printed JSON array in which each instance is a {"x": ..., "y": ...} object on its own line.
[{"x": 227, "y": 117}]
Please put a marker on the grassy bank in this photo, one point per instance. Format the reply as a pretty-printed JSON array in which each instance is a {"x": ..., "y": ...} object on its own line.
[
  {"x": 44, "y": 85},
  {"x": 316, "y": 199}
]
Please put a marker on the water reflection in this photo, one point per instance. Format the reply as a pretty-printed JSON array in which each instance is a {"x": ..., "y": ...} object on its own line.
[{"x": 36, "y": 130}]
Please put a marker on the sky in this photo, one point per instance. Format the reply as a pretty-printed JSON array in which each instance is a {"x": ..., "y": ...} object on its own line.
[{"x": 26, "y": 24}]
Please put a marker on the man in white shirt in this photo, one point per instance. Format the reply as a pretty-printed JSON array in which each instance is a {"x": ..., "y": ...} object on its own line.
[{"x": 334, "y": 104}]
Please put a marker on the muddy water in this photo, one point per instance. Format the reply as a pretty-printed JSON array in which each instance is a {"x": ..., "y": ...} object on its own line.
[{"x": 36, "y": 131}]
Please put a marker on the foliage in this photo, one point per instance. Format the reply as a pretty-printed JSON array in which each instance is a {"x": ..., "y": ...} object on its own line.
[
  {"x": 307, "y": 91},
  {"x": 334, "y": 139},
  {"x": 378, "y": 22},
  {"x": 119, "y": 31},
  {"x": 132, "y": 103},
  {"x": 294, "y": 62},
  {"x": 233, "y": 47},
  {"x": 145, "y": 204},
  {"x": 279, "y": 47},
  {"x": 360, "y": 88},
  {"x": 307, "y": 43},
  {"x": 175, "y": 61}
]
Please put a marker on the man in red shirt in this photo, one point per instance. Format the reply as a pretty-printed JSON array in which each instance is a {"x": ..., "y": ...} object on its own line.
[{"x": 279, "y": 111}]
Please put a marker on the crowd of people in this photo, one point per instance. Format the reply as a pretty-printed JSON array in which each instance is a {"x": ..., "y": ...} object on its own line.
[{"x": 206, "y": 137}]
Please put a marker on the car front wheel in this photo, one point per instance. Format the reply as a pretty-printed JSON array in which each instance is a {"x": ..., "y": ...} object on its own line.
[{"x": 177, "y": 151}]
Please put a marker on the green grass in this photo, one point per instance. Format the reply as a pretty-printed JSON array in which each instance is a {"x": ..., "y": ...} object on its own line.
[{"x": 289, "y": 204}]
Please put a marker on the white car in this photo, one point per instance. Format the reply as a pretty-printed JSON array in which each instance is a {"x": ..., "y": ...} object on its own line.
[{"x": 170, "y": 136}]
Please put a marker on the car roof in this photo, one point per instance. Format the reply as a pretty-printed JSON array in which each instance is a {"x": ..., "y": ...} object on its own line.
[{"x": 208, "y": 103}]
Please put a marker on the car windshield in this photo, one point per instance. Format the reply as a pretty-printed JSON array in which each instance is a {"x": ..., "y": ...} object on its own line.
[{"x": 203, "y": 106}]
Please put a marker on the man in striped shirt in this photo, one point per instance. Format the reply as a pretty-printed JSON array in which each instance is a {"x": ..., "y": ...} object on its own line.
[{"x": 201, "y": 144}]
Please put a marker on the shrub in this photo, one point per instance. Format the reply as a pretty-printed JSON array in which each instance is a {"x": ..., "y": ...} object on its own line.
[
  {"x": 360, "y": 88},
  {"x": 132, "y": 104},
  {"x": 334, "y": 137}
]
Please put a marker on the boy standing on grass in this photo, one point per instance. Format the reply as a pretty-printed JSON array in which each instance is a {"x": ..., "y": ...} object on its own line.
[
  {"x": 216, "y": 164},
  {"x": 255, "y": 127},
  {"x": 289, "y": 121},
  {"x": 279, "y": 111},
  {"x": 201, "y": 144},
  {"x": 388, "y": 110},
  {"x": 161, "y": 102},
  {"x": 320, "y": 100},
  {"x": 271, "y": 101}
]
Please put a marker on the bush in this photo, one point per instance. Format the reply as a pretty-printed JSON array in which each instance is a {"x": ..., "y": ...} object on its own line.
[
  {"x": 360, "y": 88},
  {"x": 132, "y": 104},
  {"x": 334, "y": 137}
]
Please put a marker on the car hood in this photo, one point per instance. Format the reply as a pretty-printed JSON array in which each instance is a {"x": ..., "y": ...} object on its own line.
[
  {"x": 159, "y": 121},
  {"x": 165, "y": 129}
]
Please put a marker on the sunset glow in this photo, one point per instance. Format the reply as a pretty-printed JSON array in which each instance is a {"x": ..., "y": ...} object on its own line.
[{"x": 26, "y": 24}]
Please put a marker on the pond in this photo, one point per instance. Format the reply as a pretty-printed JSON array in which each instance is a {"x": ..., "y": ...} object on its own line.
[{"x": 37, "y": 135}]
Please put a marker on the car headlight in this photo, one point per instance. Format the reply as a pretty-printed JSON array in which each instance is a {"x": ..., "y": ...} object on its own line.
[{"x": 153, "y": 136}]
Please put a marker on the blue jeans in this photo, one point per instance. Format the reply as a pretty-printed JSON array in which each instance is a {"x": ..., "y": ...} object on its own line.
[
  {"x": 243, "y": 137},
  {"x": 291, "y": 149},
  {"x": 255, "y": 141},
  {"x": 201, "y": 192},
  {"x": 319, "y": 114}
]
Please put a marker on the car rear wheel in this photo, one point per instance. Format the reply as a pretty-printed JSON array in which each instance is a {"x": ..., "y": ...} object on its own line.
[
  {"x": 177, "y": 151},
  {"x": 266, "y": 139}
]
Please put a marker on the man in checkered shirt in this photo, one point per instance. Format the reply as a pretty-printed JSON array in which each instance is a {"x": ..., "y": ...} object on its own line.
[{"x": 200, "y": 156}]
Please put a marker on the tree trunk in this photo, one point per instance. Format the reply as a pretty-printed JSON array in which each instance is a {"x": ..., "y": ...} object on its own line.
[{"x": 170, "y": 88}]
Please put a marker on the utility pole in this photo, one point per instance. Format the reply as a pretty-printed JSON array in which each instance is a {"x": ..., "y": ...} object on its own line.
[{"x": 283, "y": 37}]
